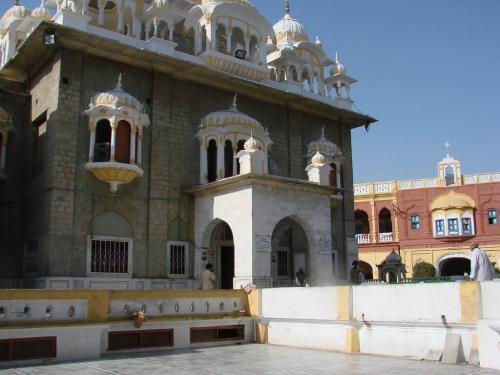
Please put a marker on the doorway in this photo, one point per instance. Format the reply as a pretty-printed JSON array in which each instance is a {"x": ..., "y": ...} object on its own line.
[{"x": 226, "y": 267}]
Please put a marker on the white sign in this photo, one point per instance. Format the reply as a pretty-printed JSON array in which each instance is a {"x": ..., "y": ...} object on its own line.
[
  {"x": 263, "y": 243},
  {"x": 324, "y": 246}
]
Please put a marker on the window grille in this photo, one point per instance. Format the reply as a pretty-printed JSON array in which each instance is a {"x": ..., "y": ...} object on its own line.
[
  {"x": 453, "y": 226},
  {"x": 415, "y": 222},
  {"x": 440, "y": 227},
  {"x": 282, "y": 263},
  {"x": 466, "y": 225},
  {"x": 109, "y": 256},
  {"x": 177, "y": 259},
  {"x": 492, "y": 216}
]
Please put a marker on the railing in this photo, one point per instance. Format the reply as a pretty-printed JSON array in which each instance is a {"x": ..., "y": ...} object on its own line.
[
  {"x": 363, "y": 238},
  {"x": 385, "y": 237}
]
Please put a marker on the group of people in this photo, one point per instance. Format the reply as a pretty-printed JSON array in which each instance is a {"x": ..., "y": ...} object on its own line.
[{"x": 481, "y": 269}]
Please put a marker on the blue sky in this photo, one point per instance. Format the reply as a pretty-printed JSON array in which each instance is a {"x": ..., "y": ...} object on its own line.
[{"x": 428, "y": 70}]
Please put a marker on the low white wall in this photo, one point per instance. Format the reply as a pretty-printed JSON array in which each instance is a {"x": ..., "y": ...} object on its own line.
[
  {"x": 300, "y": 303},
  {"x": 490, "y": 299},
  {"x": 307, "y": 335},
  {"x": 407, "y": 303}
]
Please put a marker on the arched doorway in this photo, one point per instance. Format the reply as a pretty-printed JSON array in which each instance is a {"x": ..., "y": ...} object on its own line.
[
  {"x": 289, "y": 252},
  {"x": 366, "y": 269},
  {"x": 362, "y": 226},
  {"x": 222, "y": 248},
  {"x": 454, "y": 266}
]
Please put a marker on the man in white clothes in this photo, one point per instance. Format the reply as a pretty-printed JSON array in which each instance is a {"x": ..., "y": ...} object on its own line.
[
  {"x": 207, "y": 277},
  {"x": 481, "y": 268}
]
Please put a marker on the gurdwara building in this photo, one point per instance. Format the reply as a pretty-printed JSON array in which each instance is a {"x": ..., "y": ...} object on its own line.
[{"x": 141, "y": 140}]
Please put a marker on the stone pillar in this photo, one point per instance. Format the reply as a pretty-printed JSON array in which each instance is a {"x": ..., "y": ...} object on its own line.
[
  {"x": 114, "y": 125},
  {"x": 147, "y": 30},
  {"x": 197, "y": 42},
  {"x": 373, "y": 222},
  {"x": 220, "y": 160},
  {"x": 137, "y": 27},
  {"x": 203, "y": 163},
  {"x": 120, "y": 21},
  {"x": 139, "y": 148},
  {"x": 132, "y": 144},
  {"x": 228, "y": 42},
  {"x": 85, "y": 7},
  {"x": 155, "y": 27},
  {"x": 171, "y": 32},
  {"x": 100, "y": 19},
  {"x": 235, "y": 161},
  {"x": 92, "y": 143},
  {"x": 247, "y": 47},
  {"x": 263, "y": 53}
]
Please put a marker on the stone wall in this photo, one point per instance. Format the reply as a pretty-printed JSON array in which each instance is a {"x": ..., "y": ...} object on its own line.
[{"x": 63, "y": 197}]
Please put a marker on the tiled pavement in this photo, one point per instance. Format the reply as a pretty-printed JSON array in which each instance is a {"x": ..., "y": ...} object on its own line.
[{"x": 247, "y": 359}]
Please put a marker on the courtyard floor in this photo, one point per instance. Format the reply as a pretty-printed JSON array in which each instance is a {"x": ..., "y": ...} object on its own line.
[{"x": 247, "y": 359}]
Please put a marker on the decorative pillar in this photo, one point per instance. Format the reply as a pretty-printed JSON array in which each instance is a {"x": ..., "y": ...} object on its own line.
[
  {"x": 137, "y": 27},
  {"x": 147, "y": 30},
  {"x": 139, "y": 148},
  {"x": 373, "y": 222},
  {"x": 171, "y": 32},
  {"x": 155, "y": 27},
  {"x": 235, "y": 158},
  {"x": 100, "y": 19},
  {"x": 247, "y": 46},
  {"x": 133, "y": 138},
  {"x": 348, "y": 90},
  {"x": 220, "y": 160},
  {"x": 262, "y": 53},
  {"x": 203, "y": 163},
  {"x": 228, "y": 42},
  {"x": 197, "y": 42},
  {"x": 120, "y": 21},
  {"x": 114, "y": 125},
  {"x": 92, "y": 142},
  {"x": 85, "y": 7}
]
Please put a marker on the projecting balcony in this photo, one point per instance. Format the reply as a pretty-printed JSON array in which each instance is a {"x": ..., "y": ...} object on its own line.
[
  {"x": 385, "y": 237},
  {"x": 363, "y": 238}
]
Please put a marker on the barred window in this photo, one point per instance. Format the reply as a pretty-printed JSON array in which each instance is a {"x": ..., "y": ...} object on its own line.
[
  {"x": 178, "y": 258},
  {"x": 110, "y": 255},
  {"x": 283, "y": 263},
  {"x": 415, "y": 222}
]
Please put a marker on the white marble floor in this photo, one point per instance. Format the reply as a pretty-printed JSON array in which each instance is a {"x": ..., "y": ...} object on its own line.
[{"x": 247, "y": 359}]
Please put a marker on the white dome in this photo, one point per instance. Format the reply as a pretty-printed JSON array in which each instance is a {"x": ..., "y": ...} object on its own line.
[
  {"x": 42, "y": 12},
  {"x": 290, "y": 28},
  {"x": 117, "y": 98},
  {"x": 337, "y": 67},
  {"x": 16, "y": 12},
  {"x": 324, "y": 146},
  {"x": 318, "y": 159},
  {"x": 251, "y": 144},
  {"x": 246, "y": 3}
]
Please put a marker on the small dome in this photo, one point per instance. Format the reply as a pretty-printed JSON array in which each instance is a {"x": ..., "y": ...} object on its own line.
[
  {"x": 318, "y": 159},
  {"x": 291, "y": 29},
  {"x": 231, "y": 116},
  {"x": 42, "y": 12},
  {"x": 16, "y": 12},
  {"x": 393, "y": 258},
  {"x": 117, "y": 98},
  {"x": 324, "y": 146},
  {"x": 337, "y": 67},
  {"x": 451, "y": 200},
  {"x": 251, "y": 144}
]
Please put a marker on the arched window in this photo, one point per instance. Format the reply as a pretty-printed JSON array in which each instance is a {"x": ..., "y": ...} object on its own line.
[
  {"x": 163, "y": 31},
  {"x": 362, "y": 225},
  {"x": 122, "y": 151},
  {"x": 221, "y": 38},
  {"x": 102, "y": 141},
  {"x": 254, "y": 50},
  {"x": 449, "y": 175},
  {"x": 293, "y": 74},
  {"x": 237, "y": 40},
  {"x": 212, "y": 161},
  {"x": 333, "y": 175},
  {"x": 385, "y": 225},
  {"x": 241, "y": 146},
  {"x": 281, "y": 76},
  {"x": 228, "y": 159}
]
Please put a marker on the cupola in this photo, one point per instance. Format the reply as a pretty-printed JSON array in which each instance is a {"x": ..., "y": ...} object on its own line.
[
  {"x": 17, "y": 12},
  {"x": 42, "y": 12}
]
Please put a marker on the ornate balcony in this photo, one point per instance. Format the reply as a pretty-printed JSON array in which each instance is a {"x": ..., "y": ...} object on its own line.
[
  {"x": 385, "y": 237},
  {"x": 363, "y": 238},
  {"x": 115, "y": 174}
]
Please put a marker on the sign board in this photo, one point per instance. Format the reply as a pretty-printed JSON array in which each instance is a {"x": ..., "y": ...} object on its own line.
[{"x": 262, "y": 243}]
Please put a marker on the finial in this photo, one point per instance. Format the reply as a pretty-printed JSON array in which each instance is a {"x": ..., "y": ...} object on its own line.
[
  {"x": 318, "y": 41},
  {"x": 119, "y": 83},
  {"x": 287, "y": 7},
  {"x": 234, "y": 106},
  {"x": 447, "y": 145},
  {"x": 336, "y": 57}
]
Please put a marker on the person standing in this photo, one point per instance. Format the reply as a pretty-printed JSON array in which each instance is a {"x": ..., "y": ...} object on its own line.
[
  {"x": 481, "y": 268},
  {"x": 355, "y": 275},
  {"x": 207, "y": 277}
]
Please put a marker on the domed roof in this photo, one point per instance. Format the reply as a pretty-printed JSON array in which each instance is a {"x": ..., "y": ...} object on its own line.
[
  {"x": 246, "y": 3},
  {"x": 16, "y": 12},
  {"x": 42, "y": 12},
  {"x": 393, "y": 258},
  {"x": 251, "y": 144},
  {"x": 231, "y": 116},
  {"x": 451, "y": 200},
  {"x": 318, "y": 159},
  {"x": 290, "y": 28},
  {"x": 324, "y": 146},
  {"x": 117, "y": 98},
  {"x": 337, "y": 67}
]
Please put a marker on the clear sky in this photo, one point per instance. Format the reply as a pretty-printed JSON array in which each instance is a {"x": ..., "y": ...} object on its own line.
[{"x": 428, "y": 70}]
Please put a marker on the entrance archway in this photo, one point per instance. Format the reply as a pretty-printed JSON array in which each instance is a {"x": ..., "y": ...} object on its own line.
[
  {"x": 454, "y": 266},
  {"x": 366, "y": 269},
  {"x": 289, "y": 252},
  {"x": 222, "y": 250}
]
